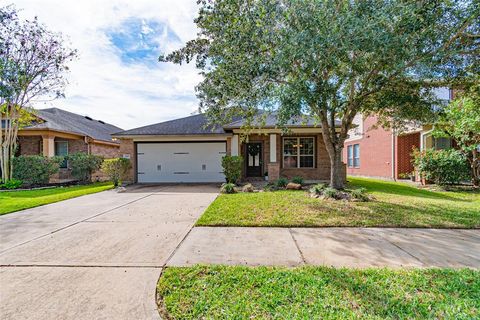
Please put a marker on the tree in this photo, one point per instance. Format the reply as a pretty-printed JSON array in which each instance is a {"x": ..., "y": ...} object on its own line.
[
  {"x": 460, "y": 120},
  {"x": 328, "y": 59},
  {"x": 32, "y": 66}
]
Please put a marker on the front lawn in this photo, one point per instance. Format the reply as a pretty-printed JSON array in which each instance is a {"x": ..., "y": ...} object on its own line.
[
  {"x": 220, "y": 292},
  {"x": 396, "y": 205},
  {"x": 18, "y": 200}
]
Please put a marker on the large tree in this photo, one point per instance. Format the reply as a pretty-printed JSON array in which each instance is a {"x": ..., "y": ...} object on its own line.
[
  {"x": 33, "y": 62},
  {"x": 329, "y": 59}
]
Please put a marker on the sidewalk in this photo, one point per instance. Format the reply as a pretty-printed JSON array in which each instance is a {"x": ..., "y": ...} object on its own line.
[{"x": 339, "y": 247}]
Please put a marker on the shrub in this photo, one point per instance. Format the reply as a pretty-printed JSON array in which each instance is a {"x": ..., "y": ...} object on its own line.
[
  {"x": 11, "y": 184},
  {"x": 270, "y": 187},
  {"x": 330, "y": 193},
  {"x": 35, "y": 169},
  {"x": 232, "y": 168},
  {"x": 116, "y": 169},
  {"x": 360, "y": 194},
  {"x": 83, "y": 165},
  {"x": 281, "y": 182},
  {"x": 227, "y": 188},
  {"x": 443, "y": 167},
  {"x": 297, "y": 180},
  {"x": 318, "y": 188}
]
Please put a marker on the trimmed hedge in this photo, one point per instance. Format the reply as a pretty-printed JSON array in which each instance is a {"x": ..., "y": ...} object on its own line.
[
  {"x": 35, "y": 169},
  {"x": 83, "y": 165},
  {"x": 232, "y": 168},
  {"x": 116, "y": 169}
]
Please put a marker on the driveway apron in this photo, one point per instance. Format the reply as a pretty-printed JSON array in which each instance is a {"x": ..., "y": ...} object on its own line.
[{"x": 97, "y": 256}]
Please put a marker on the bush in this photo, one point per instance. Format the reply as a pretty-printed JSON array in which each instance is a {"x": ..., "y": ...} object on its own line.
[
  {"x": 11, "y": 184},
  {"x": 318, "y": 188},
  {"x": 297, "y": 180},
  {"x": 232, "y": 168},
  {"x": 360, "y": 194},
  {"x": 227, "y": 188},
  {"x": 83, "y": 165},
  {"x": 35, "y": 169},
  {"x": 116, "y": 169},
  {"x": 443, "y": 167},
  {"x": 281, "y": 182},
  {"x": 270, "y": 187},
  {"x": 330, "y": 193}
]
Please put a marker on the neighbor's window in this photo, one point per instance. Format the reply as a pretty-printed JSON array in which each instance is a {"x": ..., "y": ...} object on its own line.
[
  {"x": 61, "y": 150},
  {"x": 356, "y": 155},
  {"x": 443, "y": 143},
  {"x": 353, "y": 156},
  {"x": 298, "y": 152}
]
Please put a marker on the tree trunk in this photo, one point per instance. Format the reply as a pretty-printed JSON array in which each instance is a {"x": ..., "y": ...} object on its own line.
[
  {"x": 475, "y": 165},
  {"x": 337, "y": 177}
]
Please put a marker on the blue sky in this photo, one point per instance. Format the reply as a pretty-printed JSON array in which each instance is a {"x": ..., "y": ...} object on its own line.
[{"x": 117, "y": 77}]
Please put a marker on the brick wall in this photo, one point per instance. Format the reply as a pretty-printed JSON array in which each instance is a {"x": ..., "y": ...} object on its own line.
[
  {"x": 322, "y": 165},
  {"x": 29, "y": 145},
  {"x": 106, "y": 151},
  {"x": 403, "y": 159},
  {"x": 127, "y": 147},
  {"x": 375, "y": 151}
]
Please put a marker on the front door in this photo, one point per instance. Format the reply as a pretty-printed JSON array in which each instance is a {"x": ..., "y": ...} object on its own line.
[{"x": 254, "y": 159}]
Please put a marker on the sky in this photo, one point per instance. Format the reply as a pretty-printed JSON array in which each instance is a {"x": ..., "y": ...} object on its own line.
[{"x": 117, "y": 77}]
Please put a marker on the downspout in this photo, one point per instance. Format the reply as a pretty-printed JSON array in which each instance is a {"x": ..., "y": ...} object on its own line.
[{"x": 393, "y": 155}]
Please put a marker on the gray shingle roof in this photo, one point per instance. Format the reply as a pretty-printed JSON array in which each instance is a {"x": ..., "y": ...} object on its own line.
[
  {"x": 191, "y": 125},
  {"x": 194, "y": 125},
  {"x": 61, "y": 120},
  {"x": 270, "y": 120}
]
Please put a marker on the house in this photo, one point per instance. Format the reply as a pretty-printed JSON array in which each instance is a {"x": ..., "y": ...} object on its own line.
[
  {"x": 373, "y": 151},
  {"x": 57, "y": 132},
  {"x": 190, "y": 150}
]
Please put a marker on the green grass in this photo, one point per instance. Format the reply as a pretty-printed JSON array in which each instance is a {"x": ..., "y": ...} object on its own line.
[
  {"x": 396, "y": 205},
  {"x": 18, "y": 200},
  {"x": 220, "y": 292}
]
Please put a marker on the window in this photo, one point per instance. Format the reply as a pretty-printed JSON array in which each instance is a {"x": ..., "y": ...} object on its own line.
[
  {"x": 61, "y": 150},
  {"x": 298, "y": 152},
  {"x": 353, "y": 156},
  {"x": 442, "y": 143}
]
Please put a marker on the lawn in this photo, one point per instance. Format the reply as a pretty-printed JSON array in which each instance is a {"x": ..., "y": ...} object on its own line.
[
  {"x": 396, "y": 205},
  {"x": 18, "y": 200},
  {"x": 221, "y": 292}
]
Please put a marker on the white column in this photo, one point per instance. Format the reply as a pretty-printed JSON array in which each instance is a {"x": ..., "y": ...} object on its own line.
[
  {"x": 273, "y": 147},
  {"x": 234, "y": 146}
]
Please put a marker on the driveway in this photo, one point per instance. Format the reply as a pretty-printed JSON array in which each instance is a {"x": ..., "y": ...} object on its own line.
[{"x": 94, "y": 257}]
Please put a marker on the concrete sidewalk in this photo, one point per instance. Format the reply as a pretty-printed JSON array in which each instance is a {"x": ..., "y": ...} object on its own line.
[{"x": 339, "y": 247}]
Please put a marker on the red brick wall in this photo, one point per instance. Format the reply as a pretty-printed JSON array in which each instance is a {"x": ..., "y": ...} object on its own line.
[
  {"x": 375, "y": 151},
  {"x": 405, "y": 145}
]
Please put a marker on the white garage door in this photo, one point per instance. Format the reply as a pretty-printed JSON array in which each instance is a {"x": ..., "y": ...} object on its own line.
[{"x": 180, "y": 162}]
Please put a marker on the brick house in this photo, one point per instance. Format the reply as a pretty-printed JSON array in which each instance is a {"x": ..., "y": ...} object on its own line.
[
  {"x": 57, "y": 132},
  {"x": 373, "y": 151},
  {"x": 188, "y": 150}
]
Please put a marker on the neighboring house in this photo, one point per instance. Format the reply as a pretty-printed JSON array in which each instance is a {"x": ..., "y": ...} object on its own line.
[
  {"x": 57, "y": 132},
  {"x": 187, "y": 150},
  {"x": 373, "y": 151}
]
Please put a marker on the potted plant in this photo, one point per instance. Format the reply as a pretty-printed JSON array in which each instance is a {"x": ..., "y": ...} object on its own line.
[{"x": 266, "y": 175}]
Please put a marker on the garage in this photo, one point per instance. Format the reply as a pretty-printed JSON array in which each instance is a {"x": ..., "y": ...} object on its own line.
[{"x": 175, "y": 162}]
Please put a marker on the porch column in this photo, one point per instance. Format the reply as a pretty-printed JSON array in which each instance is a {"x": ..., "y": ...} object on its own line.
[
  {"x": 48, "y": 146},
  {"x": 273, "y": 166},
  {"x": 273, "y": 147},
  {"x": 234, "y": 147}
]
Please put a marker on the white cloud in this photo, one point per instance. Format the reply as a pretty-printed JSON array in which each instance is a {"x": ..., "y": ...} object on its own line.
[{"x": 102, "y": 85}]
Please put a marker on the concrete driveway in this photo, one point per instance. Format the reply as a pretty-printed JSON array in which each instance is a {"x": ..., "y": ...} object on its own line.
[{"x": 97, "y": 256}]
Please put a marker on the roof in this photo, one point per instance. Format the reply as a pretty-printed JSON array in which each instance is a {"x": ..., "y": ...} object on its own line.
[
  {"x": 270, "y": 120},
  {"x": 64, "y": 121},
  {"x": 198, "y": 125},
  {"x": 192, "y": 125}
]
